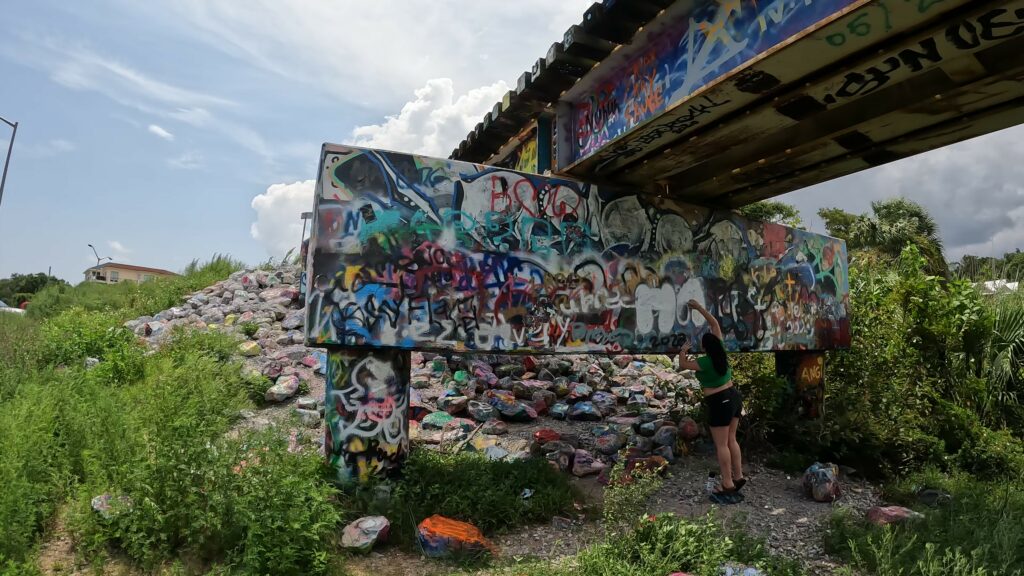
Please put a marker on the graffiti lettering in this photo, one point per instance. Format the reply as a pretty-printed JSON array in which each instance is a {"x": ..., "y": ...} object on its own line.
[{"x": 514, "y": 262}]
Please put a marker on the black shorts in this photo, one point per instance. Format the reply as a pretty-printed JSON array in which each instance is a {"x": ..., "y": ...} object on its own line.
[{"x": 724, "y": 406}]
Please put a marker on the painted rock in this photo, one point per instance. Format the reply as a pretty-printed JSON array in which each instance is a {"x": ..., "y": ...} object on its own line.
[
  {"x": 560, "y": 411},
  {"x": 530, "y": 363},
  {"x": 642, "y": 443},
  {"x": 560, "y": 459},
  {"x": 624, "y": 421},
  {"x": 883, "y": 515},
  {"x": 436, "y": 420},
  {"x": 561, "y": 387},
  {"x": 248, "y": 348},
  {"x": 362, "y": 534},
  {"x": 821, "y": 482},
  {"x": 606, "y": 402},
  {"x": 580, "y": 392},
  {"x": 519, "y": 413},
  {"x": 440, "y": 537},
  {"x": 453, "y": 404},
  {"x": 417, "y": 412},
  {"x": 648, "y": 429},
  {"x": 546, "y": 396},
  {"x": 585, "y": 411},
  {"x": 665, "y": 452},
  {"x": 494, "y": 428},
  {"x": 740, "y": 570},
  {"x": 420, "y": 383},
  {"x": 481, "y": 412},
  {"x": 584, "y": 464},
  {"x": 285, "y": 388},
  {"x": 688, "y": 429},
  {"x": 294, "y": 320},
  {"x": 545, "y": 435},
  {"x": 622, "y": 361},
  {"x": 666, "y": 436},
  {"x": 609, "y": 442},
  {"x": 496, "y": 453},
  {"x": 637, "y": 403}
]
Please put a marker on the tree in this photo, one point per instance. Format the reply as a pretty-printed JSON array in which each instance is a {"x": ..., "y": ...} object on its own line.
[
  {"x": 774, "y": 212},
  {"x": 838, "y": 222},
  {"x": 894, "y": 224},
  {"x": 20, "y": 287}
]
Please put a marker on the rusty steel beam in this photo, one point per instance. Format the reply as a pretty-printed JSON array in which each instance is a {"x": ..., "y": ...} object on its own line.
[{"x": 823, "y": 46}]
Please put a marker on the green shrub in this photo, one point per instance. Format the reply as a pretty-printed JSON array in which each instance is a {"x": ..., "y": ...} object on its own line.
[
  {"x": 625, "y": 498},
  {"x": 467, "y": 487},
  {"x": 247, "y": 501},
  {"x": 663, "y": 545},
  {"x": 249, "y": 328}
]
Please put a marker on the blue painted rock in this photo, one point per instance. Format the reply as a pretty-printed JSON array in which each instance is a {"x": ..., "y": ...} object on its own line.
[
  {"x": 580, "y": 392},
  {"x": 666, "y": 436},
  {"x": 362, "y": 534},
  {"x": 560, "y": 411},
  {"x": 585, "y": 411},
  {"x": 605, "y": 402}
]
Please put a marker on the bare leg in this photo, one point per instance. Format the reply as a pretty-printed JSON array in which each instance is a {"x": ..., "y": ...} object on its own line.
[
  {"x": 720, "y": 434},
  {"x": 734, "y": 450}
]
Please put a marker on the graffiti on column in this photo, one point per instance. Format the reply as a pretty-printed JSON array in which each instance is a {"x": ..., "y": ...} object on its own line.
[
  {"x": 525, "y": 157},
  {"x": 367, "y": 398},
  {"x": 420, "y": 253},
  {"x": 709, "y": 41}
]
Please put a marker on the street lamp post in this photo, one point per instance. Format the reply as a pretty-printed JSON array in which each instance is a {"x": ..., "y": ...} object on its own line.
[
  {"x": 7, "y": 162},
  {"x": 98, "y": 259}
]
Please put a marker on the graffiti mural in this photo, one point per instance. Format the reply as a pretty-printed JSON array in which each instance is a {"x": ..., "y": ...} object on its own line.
[
  {"x": 421, "y": 253},
  {"x": 365, "y": 408},
  {"x": 525, "y": 156},
  {"x": 712, "y": 39}
]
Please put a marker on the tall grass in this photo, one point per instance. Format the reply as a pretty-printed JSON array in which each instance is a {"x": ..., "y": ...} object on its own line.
[
  {"x": 128, "y": 298},
  {"x": 976, "y": 533}
]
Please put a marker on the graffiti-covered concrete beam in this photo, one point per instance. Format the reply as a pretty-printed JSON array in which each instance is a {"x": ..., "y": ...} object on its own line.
[{"x": 419, "y": 253}]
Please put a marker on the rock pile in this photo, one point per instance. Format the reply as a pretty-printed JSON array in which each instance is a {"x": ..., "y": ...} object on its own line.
[
  {"x": 263, "y": 309},
  {"x": 603, "y": 408},
  {"x": 592, "y": 411}
]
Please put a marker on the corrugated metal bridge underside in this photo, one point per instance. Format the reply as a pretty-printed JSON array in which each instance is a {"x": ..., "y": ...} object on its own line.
[{"x": 872, "y": 82}]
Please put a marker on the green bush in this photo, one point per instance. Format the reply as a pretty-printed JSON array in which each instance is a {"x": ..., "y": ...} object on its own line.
[
  {"x": 466, "y": 487},
  {"x": 249, "y": 328},
  {"x": 625, "y": 498}
]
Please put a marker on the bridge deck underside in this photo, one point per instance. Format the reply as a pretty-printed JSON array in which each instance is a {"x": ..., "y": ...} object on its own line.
[{"x": 759, "y": 133}]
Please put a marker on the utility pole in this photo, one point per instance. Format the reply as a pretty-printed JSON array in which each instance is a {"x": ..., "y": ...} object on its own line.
[{"x": 7, "y": 162}]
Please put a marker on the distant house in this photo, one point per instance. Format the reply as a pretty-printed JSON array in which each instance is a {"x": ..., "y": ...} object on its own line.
[{"x": 112, "y": 273}]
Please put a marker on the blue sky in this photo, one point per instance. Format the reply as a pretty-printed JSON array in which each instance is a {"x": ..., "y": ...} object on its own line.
[{"x": 167, "y": 130}]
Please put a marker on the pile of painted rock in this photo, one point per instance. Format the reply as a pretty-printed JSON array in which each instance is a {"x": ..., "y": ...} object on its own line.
[
  {"x": 263, "y": 309},
  {"x": 608, "y": 407}
]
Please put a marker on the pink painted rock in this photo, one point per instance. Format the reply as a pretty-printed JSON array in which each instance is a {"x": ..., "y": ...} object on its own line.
[
  {"x": 883, "y": 515},
  {"x": 584, "y": 464},
  {"x": 688, "y": 429}
]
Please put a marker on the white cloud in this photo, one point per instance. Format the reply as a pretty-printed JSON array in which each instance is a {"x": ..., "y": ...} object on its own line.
[
  {"x": 118, "y": 248},
  {"x": 434, "y": 122},
  {"x": 371, "y": 52},
  {"x": 190, "y": 160},
  {"x": 974, "y": 190},
  {"x": 278, "y": 210},
  {"x": 46, "y": 149},
  {"x": 160, "y": 132}
]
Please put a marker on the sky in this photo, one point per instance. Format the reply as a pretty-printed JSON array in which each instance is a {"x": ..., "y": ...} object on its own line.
[{"x": 168, "y": 130}]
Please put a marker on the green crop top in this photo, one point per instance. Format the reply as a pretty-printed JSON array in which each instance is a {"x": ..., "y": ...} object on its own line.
[{"x": 708, "y": 376}]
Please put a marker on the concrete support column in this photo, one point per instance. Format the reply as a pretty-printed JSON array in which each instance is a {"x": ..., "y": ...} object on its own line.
[
  {"x": 366, "y": 431},
  {"x": 805, "y": 371}
]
